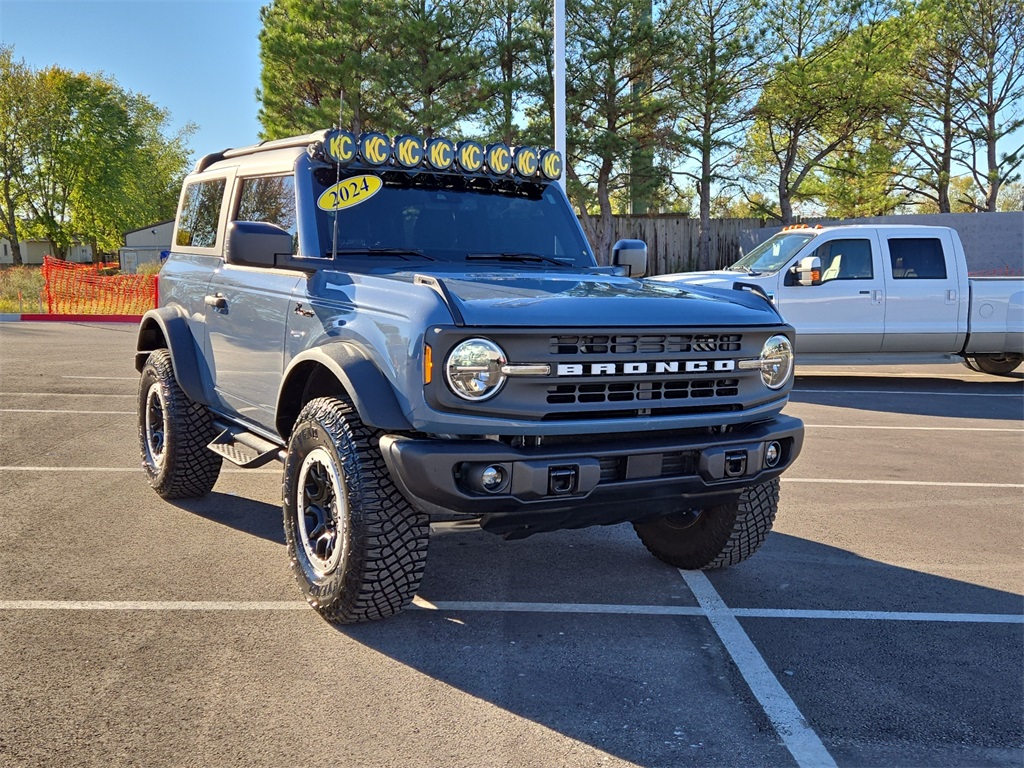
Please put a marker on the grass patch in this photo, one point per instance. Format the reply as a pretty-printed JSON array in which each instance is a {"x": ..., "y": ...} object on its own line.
[{"x": 28, "y": 281}]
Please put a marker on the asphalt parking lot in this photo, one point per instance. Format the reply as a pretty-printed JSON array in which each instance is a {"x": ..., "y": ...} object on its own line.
[{"x": 881, "y": 624}]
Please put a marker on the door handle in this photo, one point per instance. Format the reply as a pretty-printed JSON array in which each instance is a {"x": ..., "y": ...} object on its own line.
[
  {"x": 217, "y": 301},
  {"x": 878, "y": 297},
  {"x": 951, "y": 296}
]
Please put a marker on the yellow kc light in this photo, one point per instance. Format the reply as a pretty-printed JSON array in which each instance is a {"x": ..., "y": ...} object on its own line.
[
  {"x": 551, "y": 164},
  {"x": 440, "y": 154},
  {"x": 470, "y": 156},
  {"x": 341, "y": 147},
  {"x": 525, "y": 160},
  {"x": 409, "y": 151},
  {"x": 375, "y": 148},
  {"x": 499, "y": 159}
]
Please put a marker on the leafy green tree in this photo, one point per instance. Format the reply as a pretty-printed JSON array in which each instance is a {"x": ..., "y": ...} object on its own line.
[
  {"x": 97, "y": 162},
  {"x": 17, "y": 86},
  {"x": 309, "y": 51},
  {"x": 411, "y": 66},
  {"x": 432, "y": 67},
  {"x": 716, "y": 84},
  {"x": 837, "y": 80},
  {"x": 992, "y": 86},
  {"x": 937, "y": 108},
  {"x": 515, "y": 38},
  {"x": 608, "y": 118}
]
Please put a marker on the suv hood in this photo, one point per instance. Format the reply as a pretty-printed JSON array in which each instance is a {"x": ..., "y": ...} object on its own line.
[{"x": 559, "y": 299}]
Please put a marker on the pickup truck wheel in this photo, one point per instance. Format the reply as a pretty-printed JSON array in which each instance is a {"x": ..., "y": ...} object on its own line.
[
  {"x": 356, "y": 546},
  {"x": 173, "y": 434},
  {"x": 715, "y": 537},
  {"x": 997, "y": 365}
]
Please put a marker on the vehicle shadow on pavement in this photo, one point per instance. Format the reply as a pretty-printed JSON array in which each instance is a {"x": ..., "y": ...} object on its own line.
[
  {"x": 246, "y": 515},
  {"x": 661, "y": 690},
  {"x": 918, "y": 396}
]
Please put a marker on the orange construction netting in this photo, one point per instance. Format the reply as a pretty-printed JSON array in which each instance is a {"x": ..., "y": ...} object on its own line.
[{"x": 81, "y": 289}]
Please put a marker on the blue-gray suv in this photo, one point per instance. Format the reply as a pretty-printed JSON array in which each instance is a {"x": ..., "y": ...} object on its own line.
[{"x": 419, "y": 331}]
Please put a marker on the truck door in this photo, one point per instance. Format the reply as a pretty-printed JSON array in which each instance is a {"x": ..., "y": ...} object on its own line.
[
  {"x": 846, "y": 313},
  {"x": 247, "y": 309},
  {"x": 923, "y": 313}
]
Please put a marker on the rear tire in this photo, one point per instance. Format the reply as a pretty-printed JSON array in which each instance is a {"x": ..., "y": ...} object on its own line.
[
  {"x": 715, "y": 537},
  {"x": 356, "y": 546},
  {"x": 996, "y": 364},
  {"x": 173, "y": 434}
]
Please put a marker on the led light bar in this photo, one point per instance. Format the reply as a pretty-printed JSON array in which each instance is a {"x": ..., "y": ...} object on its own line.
[{"x": 439, "y": 154}]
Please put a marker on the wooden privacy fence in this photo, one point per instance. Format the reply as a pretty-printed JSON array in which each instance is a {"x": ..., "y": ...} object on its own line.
[{"x": 672, "y": 241}]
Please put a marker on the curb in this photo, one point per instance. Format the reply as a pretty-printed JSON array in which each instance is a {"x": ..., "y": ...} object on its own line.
[{"x": 28, "y": 318}]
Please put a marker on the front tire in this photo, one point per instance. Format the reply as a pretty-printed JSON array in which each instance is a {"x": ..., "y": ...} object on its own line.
[
  {"x": 174, "y": 431},
  {"x": 356, "y": 546},
  {"x": 715, "y": 537}
]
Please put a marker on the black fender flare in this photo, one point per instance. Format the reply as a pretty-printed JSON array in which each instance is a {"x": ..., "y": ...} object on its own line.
[
  {"x": 168, "y": 327},
  {"x": 371, "y": 392}
]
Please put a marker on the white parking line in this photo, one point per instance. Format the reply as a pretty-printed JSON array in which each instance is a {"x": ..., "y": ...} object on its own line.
[
  {"x": 924, "y": 483},
  {"x": 1018, "y": 396},
  {"x": 61, "y": 394},
  {"x": 104, "y": 378},
  {"x": 472, "y": 606},
  {"x": 825, "y": 480},
  {"x": 913, "y": 429},
  {"x": 65, "y": 410},
  {"x": 798, "y": 736}
]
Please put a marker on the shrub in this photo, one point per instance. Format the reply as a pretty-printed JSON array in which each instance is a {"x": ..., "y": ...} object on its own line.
[{"x": 26, "y": 280}]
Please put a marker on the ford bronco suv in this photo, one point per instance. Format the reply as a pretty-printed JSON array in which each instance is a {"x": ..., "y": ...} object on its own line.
[{"x": 419, "y": 331}]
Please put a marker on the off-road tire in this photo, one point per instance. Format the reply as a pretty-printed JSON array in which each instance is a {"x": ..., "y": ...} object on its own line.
[
  {"x": 173, "y": 434},
  {"x": 715, "y": 537},
  {"x": 368, "y": 563},
  {"x": 996, "y": 365}
]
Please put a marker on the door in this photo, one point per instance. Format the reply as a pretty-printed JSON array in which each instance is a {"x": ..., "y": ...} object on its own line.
[
  {"x": 924, "y": 297},
  {"x": 846, "y": 312},
  {"x": 247, "y": 309}
]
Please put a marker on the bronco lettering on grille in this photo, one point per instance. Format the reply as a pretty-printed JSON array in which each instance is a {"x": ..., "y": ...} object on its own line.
[{"x": 660, "y": 366}]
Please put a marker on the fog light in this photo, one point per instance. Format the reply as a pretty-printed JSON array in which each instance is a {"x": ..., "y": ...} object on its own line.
[
  {"x": 772, "y": 454},
  {"x": 492, "y": 478}
]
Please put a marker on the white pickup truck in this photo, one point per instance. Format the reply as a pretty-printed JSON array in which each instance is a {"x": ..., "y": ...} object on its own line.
[{"x": 882, "y": 294}]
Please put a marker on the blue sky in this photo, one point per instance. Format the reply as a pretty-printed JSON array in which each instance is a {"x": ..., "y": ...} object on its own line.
[{"x": 198, "y": 59}]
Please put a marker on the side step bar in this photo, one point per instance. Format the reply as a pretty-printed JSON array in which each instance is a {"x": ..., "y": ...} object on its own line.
[{"x": 243, "y": 448}]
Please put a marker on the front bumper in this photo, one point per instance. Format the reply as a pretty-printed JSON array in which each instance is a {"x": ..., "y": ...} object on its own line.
[{"x": 587, "y": 482}]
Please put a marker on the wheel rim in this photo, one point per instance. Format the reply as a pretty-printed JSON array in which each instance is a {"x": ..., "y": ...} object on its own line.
[
  {"x": 156, "y": 426},
  {"x": 321, "y": 512},
  {"x": 684, "y": 519}
]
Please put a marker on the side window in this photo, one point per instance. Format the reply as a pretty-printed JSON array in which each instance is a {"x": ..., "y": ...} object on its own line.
[
  {"x": 200, "y": 212},
  {"x": 270, "y": 199},
  {"x": 845, "y": 260},
  {"x": 917, "y": 258}
]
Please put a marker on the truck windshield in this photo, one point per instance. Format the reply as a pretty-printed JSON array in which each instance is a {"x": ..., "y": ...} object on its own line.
[
  {"x": 408, "y": 220},
  {"x": 773, "y": 254}
]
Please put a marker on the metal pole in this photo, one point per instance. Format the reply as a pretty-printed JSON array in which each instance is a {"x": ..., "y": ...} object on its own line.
[{"x": 560, "y": 85}]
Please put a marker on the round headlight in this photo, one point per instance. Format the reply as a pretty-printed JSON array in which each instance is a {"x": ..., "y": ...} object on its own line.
[
  {"x": 473, "y": 369},
  {"x": 776, "y": 362}
]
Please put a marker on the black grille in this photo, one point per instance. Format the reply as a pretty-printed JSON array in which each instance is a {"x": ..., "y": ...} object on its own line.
[
  {"x": 641, "y": 391},
  {"x": 644, "y": 344}
]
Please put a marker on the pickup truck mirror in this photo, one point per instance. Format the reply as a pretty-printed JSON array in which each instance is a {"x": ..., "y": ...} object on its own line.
[
  {"x": 631, "y": 254},
  {"x": 808, "y": 271},
  {"x": 256, "y": 243}
]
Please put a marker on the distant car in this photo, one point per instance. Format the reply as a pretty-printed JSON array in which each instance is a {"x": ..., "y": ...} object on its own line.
[{"x": 882, "y": 294}]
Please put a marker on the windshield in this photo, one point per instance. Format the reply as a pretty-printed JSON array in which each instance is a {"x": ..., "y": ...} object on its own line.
[
  {"x": 408, "y": 220},
  {"x": 773, "y": 254}
]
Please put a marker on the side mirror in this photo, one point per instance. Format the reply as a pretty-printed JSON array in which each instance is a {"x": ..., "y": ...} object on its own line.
[
  {"x": 631, "y": 254},
  {"x": 256, "y": 243},
  {"x": 807, "y": 271}
]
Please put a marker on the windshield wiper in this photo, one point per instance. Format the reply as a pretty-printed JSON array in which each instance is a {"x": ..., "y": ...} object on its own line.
[
  {"x": 749, "y": 270},
  {"x": 401, "y": 252},
  {"x": 520, "y": 257}
]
